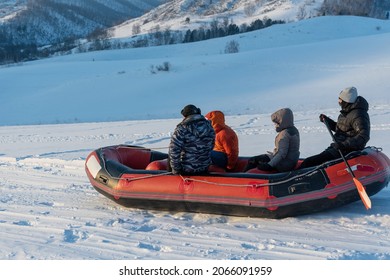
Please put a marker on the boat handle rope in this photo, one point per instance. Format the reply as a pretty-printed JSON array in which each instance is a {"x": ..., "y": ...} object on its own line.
[
  {"x": 186, "y": 179},
  {"x": 142, "y": 148},
  {"x": 377, "y": 149}
]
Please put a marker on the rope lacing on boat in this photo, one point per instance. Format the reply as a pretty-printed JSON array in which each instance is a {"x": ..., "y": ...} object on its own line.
[
  {"x": 187, "y": 180},
  {"x": 192, "y": 179}
]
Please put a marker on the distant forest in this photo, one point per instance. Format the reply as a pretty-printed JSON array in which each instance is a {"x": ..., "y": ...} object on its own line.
[
  {"x": 100, "y": 40},
  {"x": 49, "y": 27},
  {"x": 367, "y": 8}
]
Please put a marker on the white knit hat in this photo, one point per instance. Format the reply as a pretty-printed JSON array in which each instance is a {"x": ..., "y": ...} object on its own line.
[{"x": 349, "y": 94}]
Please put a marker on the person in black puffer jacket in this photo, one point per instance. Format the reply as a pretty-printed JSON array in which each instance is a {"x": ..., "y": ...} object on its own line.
[
  {"x": 191, "y": 144},
  {"x": 352, "y": 130}
]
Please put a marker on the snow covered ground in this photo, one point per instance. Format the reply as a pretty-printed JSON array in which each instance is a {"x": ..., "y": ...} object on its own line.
[{"x": 49, "y": 211}]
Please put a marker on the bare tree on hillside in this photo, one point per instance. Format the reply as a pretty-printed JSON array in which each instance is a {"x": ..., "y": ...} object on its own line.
[
  {"x": 136, "y": 29},
  {"x": 347, "y": 7},
  {"x": 250, "y": 9}
]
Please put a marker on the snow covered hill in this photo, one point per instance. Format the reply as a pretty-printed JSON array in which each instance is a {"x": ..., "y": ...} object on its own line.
[
  {"x": 193, "y": 14},
  {"x": 9, "y": 8},
  {"x": 42, "y": 22},
  {"x": 319, "y": 55}
]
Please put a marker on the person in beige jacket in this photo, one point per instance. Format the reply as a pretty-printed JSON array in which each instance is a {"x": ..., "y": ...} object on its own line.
[{"x": 286, "y": 152}]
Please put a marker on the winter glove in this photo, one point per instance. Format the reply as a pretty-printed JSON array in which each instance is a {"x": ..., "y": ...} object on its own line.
[
  {"x": 337, "y": 146},
  {"x": 324, "y": 118},
  {"x": 252, "y": 161},
  {"x": 264, "y": 166}
]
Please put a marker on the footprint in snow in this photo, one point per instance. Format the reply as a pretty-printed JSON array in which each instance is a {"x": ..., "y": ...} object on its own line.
[
  {"x": 176, "y": 230},
  {"x": 145, "y": 228},
  {"x": 218, "y": 220},
  {"x": 49, "y": 204},
  {"x": 149, "y": 247},
  {"x": 74, "y": 235},
  {"x": 22, "y": 223},
  {"x": 248, "y": 246},
  {"x": 357, "y": 255}
]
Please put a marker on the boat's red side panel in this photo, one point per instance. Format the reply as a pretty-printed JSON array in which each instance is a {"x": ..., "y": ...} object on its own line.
[{"x": 141, "y": 187}]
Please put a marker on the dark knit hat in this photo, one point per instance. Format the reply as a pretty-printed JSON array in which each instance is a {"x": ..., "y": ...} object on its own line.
[{"x": 190, "y": 110}]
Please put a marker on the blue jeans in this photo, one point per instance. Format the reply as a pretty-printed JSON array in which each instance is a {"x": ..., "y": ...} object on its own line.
[{"x": 219, "y": 158}]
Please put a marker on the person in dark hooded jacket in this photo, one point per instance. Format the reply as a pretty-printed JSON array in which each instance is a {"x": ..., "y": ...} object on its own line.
[
  {"x": 191, "y": 144},
  {"x": 352, "y": 129},
  {"x": 286, "y": 152}
]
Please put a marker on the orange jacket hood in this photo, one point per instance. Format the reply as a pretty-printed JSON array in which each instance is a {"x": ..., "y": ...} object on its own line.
[
  {"x": 217, "y": 119},
  {"x": 226, "y": 139}
]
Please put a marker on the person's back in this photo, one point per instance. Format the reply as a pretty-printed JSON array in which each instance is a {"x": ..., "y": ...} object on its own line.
[
  {"x": 286, "y": 153},
  {"x": 226, "y": 150},
  {"x": 191, "y": 143}
]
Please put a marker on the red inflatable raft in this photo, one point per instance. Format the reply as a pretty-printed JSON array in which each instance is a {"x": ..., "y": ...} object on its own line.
[{"x": 137, "y": 177}]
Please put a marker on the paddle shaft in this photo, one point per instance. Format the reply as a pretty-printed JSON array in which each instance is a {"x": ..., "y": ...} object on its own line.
[
  {"x": 341, "y": 154},
  {"x": 362, "y": 192}
]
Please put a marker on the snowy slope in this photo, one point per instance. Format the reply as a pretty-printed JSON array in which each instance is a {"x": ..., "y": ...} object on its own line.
[
  {"x": 192, "y": 14},
  {"x": 49, "y": 211},
  {"x": 300, "y": 59}
]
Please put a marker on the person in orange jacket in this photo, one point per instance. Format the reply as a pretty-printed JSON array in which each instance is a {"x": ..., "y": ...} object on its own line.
[{"x": 225, "y": 152}]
